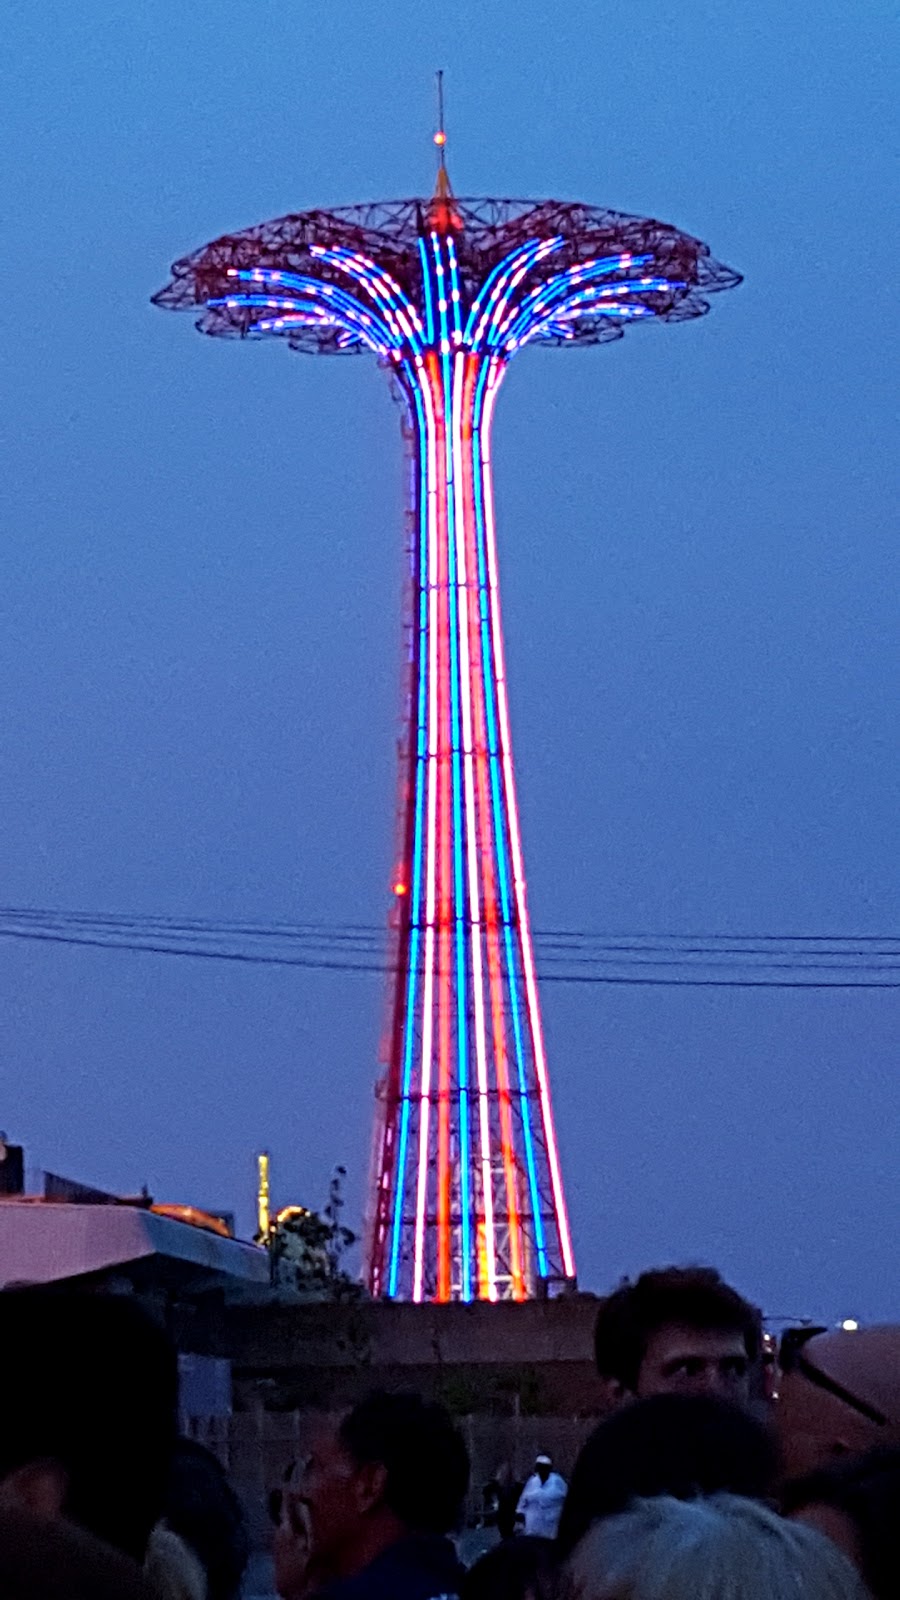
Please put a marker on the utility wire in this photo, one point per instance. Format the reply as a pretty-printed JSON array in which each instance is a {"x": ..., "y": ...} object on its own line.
[
  {"x": 687, "y": 960},
  {"x": 689, "y": 943}
]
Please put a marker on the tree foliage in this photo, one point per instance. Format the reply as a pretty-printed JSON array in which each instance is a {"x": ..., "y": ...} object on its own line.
[{"x": 307, "y": 1249}]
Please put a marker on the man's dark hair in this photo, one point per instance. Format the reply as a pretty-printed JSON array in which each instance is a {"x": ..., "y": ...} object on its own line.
[
  {"x": 694, "y": 1297},
  {"x": 867, "y": 1490},
  {"x": 89, "y": 1381},
  {"x": 670, "y": 1444},
  {"x": 203, "y": 1509},
  {"x": 523, "y": 1568},
  {"x": 425, "y": 1459}
]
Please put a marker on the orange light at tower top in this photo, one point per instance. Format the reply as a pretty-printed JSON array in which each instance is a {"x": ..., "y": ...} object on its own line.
[{"x": 468, "y": 1197}]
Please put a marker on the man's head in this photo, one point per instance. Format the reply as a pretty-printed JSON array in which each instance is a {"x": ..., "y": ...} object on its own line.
[
  {"x": 670, "y": 1444},
  {"x": 679, "y": 1330},
  {"x": 395, "y": 1465},
  {"x": 543, "y": 1466},
  {"x": 88, "y": 1410},
  {"x": 856, "y": 1503},
  {"x": 839, "y": 1395}
]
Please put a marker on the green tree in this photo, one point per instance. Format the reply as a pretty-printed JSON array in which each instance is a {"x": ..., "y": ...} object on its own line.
[{"x": 307, "y": 1248}]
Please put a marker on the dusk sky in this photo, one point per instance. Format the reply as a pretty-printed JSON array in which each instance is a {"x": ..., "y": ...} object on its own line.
[{"x": 200, "y": 575}]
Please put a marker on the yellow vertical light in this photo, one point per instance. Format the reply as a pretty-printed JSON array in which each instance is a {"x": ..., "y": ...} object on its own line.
[{"x": 263, "y": 1223}]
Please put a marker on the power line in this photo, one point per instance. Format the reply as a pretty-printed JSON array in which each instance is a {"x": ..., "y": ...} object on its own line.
[
  {"x": 620, "y": 941},
  {"x": 359, "y": 948}
]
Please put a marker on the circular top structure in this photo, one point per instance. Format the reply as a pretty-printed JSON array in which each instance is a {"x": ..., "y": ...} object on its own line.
[{"x": 593, "y": 269}]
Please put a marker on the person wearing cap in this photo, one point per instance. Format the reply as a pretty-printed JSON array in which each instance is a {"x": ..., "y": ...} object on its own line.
[
  {"x": 541, "y": 1501},
  {"x": 839, "y": 1394}
]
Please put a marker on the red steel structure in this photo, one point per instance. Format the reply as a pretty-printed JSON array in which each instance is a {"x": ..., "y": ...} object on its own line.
[{"x": 467, "y": 1198}]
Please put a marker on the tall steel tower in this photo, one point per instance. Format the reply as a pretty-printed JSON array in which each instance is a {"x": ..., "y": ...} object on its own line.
[{"x": 467, "y": 1198}]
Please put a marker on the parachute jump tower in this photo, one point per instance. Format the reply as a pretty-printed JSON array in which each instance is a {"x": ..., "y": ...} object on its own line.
[{"x": 467, "y": 1198}]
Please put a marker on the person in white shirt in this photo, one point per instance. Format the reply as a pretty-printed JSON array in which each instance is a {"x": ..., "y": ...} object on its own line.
[{"x": 541, "y": 1501}]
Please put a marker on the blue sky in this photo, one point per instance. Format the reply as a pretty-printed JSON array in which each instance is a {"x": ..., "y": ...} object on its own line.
[{"x": 201, "y": 560}]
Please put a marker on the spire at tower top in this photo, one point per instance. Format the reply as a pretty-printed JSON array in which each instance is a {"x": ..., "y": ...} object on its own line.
[
  {"x": 440, "y": 137},
  {"x": 442, "y": 215}
]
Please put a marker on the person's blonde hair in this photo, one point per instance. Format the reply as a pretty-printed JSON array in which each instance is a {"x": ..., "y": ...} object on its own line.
[{"x": 720, "y": 1548}]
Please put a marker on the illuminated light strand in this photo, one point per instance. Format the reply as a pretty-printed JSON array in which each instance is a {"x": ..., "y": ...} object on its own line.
[
  {"x": 379, "y": 284},
  {"x": 444, "y": 869},
  {"x": 430, "y": 850},
  {"x": 462, "y": 382},
  {"x": 409, "y": 1029},
  {"x": 484, "y": 305},
  {"x": 424, "y": 262},
  {"x": 518, "y": 266},
  {"x": 559, "y": 1203},
  {"x": 331, "y": 301},
  {"x": 321, "y": 293},
  {"x": 442, "y": 842},
  {"x": 487, "y": 287},
  {"x": 501, "y": 774},
  {"x": 560, "y": 287},
  {"x": 446, "y": 836},
  {"x": 492, "y": 835},
  {"x": 288, "y": 324},
  {"x": 590, "y": 308},
  {"x": 236, "y": 300},
  {"x": 448, "y": 840},
  {"x": 398, "y": 312},
  {"x": 505, "y": 1103},
  {"x": 502, "y": 312},
  {"x": 519, "y": 260},
  {"x": 462, "y": 1064},
  {"x": 455, "y": 292}
]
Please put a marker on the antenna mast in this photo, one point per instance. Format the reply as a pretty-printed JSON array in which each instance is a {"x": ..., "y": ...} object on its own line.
[{"x": 440, "y": 137}]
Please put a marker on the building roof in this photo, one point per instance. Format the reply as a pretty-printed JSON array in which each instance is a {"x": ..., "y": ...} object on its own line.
[{"x": 49, "y": 1241}]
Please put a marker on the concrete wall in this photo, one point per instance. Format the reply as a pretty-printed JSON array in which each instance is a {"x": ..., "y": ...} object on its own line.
[{"x": 505, "y": 1359}]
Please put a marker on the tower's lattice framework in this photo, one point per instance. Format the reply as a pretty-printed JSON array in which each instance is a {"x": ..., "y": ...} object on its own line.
[{"x": 467, "y": 1197}]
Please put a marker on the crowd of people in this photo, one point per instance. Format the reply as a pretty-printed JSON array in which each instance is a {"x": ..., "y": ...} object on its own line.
[{"x": 720, "y": 1470}]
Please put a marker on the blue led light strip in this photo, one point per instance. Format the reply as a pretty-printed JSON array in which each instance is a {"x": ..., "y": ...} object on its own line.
[
  {"x": 344, "y": 307},
  {"x": 409, "y": 1035},
  {"x": 430, "y": 331},
  {"x": 500, "y": 817},
  {"x": 560, "y": 288},
  {"x": 455, "y": 292},
  {"x": 459, "y": 892},
  {"x": 483, "y": 310},
  {"x": 500, "y": 312},
  {"x": 368, "y": 272},
  {"x": 399, "y": 313}
]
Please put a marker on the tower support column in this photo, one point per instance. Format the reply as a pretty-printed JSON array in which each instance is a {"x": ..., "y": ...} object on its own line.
[{"x": 469, "y": 1202}]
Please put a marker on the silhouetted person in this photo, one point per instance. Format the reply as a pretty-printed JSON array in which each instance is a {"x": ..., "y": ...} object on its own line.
[
  {"x": 203, "y": 1509},
  {"x": 518, "y": 1569},
  {"x": 677, "y": 1330},
  {"x": 49, "y": 1558},
  {"x": 374, "y": 1503},
  {"x": 856, "y": 1503},
  {"x": 88, "y": 1398},
  {"x": 508, "y": 1495},
  {"x": 671, "y": 1444}
]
